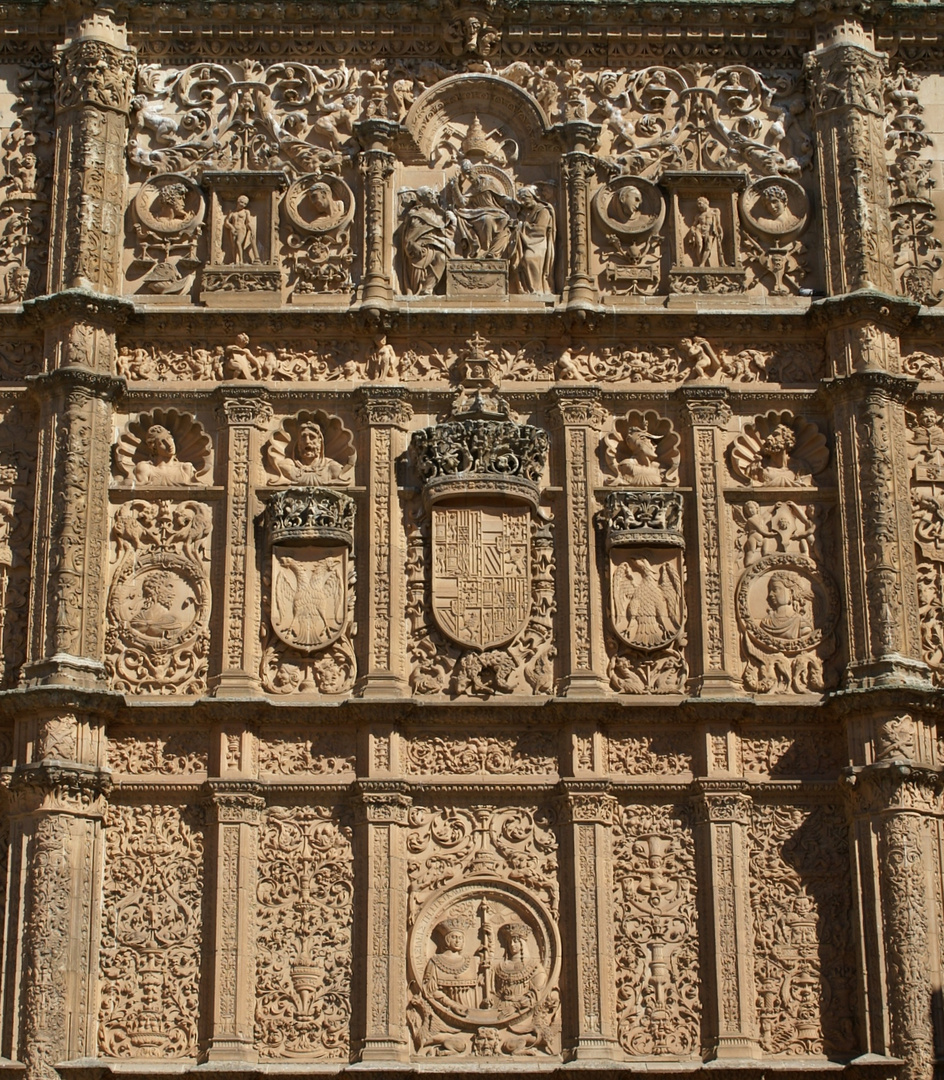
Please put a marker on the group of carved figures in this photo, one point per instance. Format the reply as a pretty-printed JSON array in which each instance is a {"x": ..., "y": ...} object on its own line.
[{"x": 477, "y": 215}]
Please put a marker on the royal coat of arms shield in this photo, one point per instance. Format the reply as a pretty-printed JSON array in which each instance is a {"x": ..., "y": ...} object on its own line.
[
  {"x": 481, "y": 573},
  {"x": 309, "y": 594}
]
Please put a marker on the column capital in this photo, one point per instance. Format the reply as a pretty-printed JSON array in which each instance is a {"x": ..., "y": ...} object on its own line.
[
  {"x": 381, "y": 803},
  {"x": 586, "y": 802},
  {"x": 722, "y": 801},
  {"x": 234, "y": 802},
  {"x": 47, "y": 787},
  {"x": 249, "y": 408},
  {"x": 578, "y": 406},
  {"x": 893, "y": 786},
  {"x": 385, "y": 406},
  {"x": 707, "y": 406},
  {"x": 96, "y": 66}
]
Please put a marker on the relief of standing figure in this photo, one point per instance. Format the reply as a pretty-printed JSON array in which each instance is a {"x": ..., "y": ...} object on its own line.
[{"x": 533, "y": 259}]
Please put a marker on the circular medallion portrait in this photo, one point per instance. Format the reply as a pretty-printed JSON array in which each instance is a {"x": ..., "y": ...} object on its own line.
[{"x": 170, "y": 204}]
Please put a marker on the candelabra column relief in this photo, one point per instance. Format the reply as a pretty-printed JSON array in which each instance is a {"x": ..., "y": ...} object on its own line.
[
  {"x": 381, "y": 815},
  {"x": 587, "y": 820},
  {"x": 846, "y": 77},
  {"x": 708, "y": 413},
  {"x": 578, "y": 169},
  {"x": 875, "y": 511},
  {"x": 53, "y": 921},
  {"x": 377, "y": 167},
  {"x": 895, "y": 805},
  {"x": 386, "y": 413},
  {"x": 580, "y": 417},
  {"x": 234, "y": 813},
  {"x": 93, "y": 101},
  {"x": 245, "y": 417},
  {"x": 722, "y": 817}
]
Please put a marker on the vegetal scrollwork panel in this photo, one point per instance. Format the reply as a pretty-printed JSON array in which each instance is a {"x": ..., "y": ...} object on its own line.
[
  {"x": 304, "y": 915},
  {"x": 445, "y": 845},
  {"x": 152, "y": 933},
  {"x": 165, "y": 753},
  {"x": 656, "y": 939},
  {"x": 803, "y": 958},
  {"x": 529, "y": 753}
]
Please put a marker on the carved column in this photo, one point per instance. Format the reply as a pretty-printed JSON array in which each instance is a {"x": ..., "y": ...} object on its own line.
[
  {"x": 846, "y": 79},
  {"x": 580, "y": 416},
  {"x": 386, "y": 412},
  {"x": 377, "y": 165},
  {"x": 70, "y": 534},
  {"x": 53, "y": 916},
  {"x": 93, "y": 100},
  {"x": 708, "y": 413},
  {"x": 380, "y": 816},
  {"x": 875, "y": 508},
  {"x": 893, "y": 803},
  {"x": 722, "y": 816},
  {"x": 587, "y": 821},
  {"x": 246, "y": 418},
  {"x": 234, "y": 812},
  {"x": 578, "y": 168}
]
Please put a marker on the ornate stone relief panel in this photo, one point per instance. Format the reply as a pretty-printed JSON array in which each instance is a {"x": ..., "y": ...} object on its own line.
[
  {"x": 304, "y": 915},
  {"x": 645, "y": 587},
  {"x": 158, "y": 611},
  {"x": 910, "y": 150},
  {"x": 17, "y": 467},
  {"x": 480, "y": 563},
  {"x": 152, "y": 932},
  {"x": 308, "y": 583},
  {"x": 166, "y": 752},
  {"x": 926, "y": 457},
  {"x": 803, "y": 958},
  {"x": 162, "y": 448},
  {"x": 311, "y": 448},
  {"x": 431, "y": 753},
  {"x": 656, "y": 932},
  {"x": 483, "y": 947},
  {"x": 289, "y": 753},
  {"x": 787, "y": 601},
  {"x": 26, "y": 125}
]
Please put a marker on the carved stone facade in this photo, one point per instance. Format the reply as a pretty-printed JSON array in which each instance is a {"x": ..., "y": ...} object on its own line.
[{"x": 472, "y": 539}]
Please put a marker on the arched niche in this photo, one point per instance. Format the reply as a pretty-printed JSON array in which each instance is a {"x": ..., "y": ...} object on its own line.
[{"x": 498, "y": 104}]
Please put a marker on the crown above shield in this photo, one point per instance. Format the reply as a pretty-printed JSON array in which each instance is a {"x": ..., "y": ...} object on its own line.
[
  {"x": 488, "y": 457},
  {"x": 310, "y": 515}
]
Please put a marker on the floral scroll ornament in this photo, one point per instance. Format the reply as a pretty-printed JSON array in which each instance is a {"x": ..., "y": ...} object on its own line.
[{"x": 779, "y": 450}]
